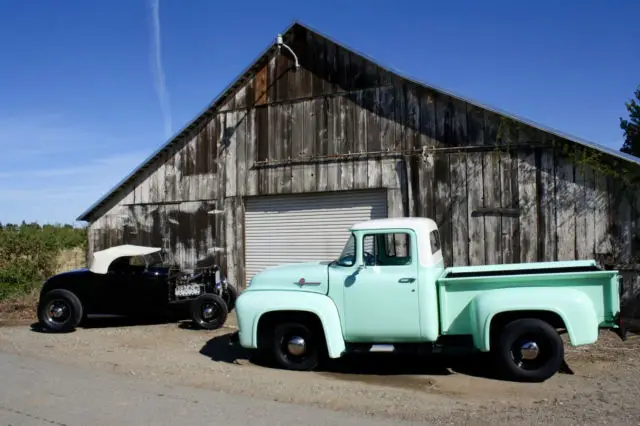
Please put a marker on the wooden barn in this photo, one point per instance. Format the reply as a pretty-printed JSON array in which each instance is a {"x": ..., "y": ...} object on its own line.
[{"x": 300, "y": 147}]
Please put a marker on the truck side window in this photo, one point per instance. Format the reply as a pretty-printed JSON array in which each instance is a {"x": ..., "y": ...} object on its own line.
[
  {"x": 387, "y": 249},
  {"x": 434, "y": 239}
]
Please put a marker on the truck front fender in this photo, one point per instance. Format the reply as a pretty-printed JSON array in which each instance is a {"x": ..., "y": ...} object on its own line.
[
  {"x": 573, "y": 306},
  {"x": 252, "y": 305}
]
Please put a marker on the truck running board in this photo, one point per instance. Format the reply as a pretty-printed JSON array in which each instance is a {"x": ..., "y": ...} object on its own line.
[
  {"x": 382, "y": 348},
  {"x": 446, "y": 344}
]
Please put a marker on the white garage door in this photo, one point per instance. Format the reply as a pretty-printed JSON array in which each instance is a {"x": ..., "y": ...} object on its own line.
[{"x": 305, "y": 227}]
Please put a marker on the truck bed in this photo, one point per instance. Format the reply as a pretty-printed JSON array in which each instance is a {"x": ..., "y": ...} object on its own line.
[{"x": 458, "y": 287}]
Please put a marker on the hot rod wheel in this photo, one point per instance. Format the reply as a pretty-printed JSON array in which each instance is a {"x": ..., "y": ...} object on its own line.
[
  {"x": 209, "y": 311},
  {"x": 60, "y": 310},
  {"x": 229, "y": 295}
]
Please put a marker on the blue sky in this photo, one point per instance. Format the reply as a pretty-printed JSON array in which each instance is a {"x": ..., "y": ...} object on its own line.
[{"x": 80, "y": 104}]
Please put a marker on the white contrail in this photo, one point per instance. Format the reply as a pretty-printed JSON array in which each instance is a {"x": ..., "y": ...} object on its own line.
[{"x": 161, "y": 89}]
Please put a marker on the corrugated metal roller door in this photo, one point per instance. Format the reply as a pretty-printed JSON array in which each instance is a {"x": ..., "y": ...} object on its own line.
[{"x": 305, "y": 227}]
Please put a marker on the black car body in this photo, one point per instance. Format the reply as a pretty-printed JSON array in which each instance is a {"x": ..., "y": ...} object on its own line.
[{"x": 131, "y": 281}]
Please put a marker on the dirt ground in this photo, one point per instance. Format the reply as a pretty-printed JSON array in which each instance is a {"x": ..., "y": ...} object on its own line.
[{"x": 603, "y": 389}]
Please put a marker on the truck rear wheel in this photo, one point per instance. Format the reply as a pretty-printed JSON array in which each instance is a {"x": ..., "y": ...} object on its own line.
[
  {"x": 529, "y": 350},
  {"x": 295, "y": 346}
]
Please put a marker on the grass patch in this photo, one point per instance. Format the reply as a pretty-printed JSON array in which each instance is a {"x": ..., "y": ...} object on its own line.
[{"x": 30, "y": 253}]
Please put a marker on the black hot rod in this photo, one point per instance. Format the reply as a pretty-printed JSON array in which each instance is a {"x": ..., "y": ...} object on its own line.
[{"x": 135, "y": 281}]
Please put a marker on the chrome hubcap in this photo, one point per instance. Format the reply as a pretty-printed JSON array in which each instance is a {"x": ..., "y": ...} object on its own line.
[
  {"x": 529, "y": 351},
  {"x": 58, "y": 311},
  {"x": 207, "y": 312},
  {"x": 296, "y": 346}
]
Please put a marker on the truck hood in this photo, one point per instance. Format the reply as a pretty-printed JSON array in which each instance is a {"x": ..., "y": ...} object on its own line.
[{"x": 307, "y": 276}]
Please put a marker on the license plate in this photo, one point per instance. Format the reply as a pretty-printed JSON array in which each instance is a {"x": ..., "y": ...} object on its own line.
[{"x": 187, "y": 290}]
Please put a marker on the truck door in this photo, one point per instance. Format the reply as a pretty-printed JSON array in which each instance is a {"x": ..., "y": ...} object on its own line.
[{"x": 381, "y": 296}]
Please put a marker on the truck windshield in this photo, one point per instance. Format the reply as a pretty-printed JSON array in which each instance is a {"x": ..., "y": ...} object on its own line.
[{"x": 348, "y": 255}]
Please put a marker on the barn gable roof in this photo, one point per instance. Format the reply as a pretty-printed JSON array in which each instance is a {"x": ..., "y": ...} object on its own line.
[{"x": 257, "y": 64}]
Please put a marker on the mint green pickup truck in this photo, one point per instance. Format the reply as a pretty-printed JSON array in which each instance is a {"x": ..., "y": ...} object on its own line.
[{"x": 390, "y": 291}]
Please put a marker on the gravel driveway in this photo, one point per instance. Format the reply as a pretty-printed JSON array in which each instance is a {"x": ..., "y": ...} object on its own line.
[{"x": 604, "y": 388}]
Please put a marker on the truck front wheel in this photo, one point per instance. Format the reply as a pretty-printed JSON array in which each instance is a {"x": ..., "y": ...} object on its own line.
[
  {"x": 529, "y": 350},
  {"x": 295, "y": 346}
]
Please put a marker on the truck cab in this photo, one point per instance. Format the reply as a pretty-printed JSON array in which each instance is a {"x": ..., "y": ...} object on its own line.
[{"x": 389, "y": 290}]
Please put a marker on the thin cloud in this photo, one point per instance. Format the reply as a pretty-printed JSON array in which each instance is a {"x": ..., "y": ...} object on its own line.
[
  {"x": 97, "y": 166},
  {"x": 25, "y": 137},
  {"x": 56, "y": 192},
  {"x": 160, "y": 86}
]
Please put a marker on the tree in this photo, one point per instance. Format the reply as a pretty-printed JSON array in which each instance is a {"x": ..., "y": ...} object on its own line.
[{"x": 631, "y": 127}]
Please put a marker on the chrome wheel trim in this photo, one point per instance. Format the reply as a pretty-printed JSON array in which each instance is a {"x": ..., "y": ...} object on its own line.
[{"x": 296, "y": 346}]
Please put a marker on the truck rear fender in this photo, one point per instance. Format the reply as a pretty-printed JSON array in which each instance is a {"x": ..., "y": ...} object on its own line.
[
  {"x": 286, "y": 302},
  {"x": 563, "y": 307}
]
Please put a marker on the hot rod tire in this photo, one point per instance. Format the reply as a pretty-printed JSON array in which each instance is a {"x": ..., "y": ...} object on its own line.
[
  {"x": 229, "y": 295},
  {"x": 60, "y": 310},
  {"x": 529, "y": 350},
  {"x": 209, "y": 312},
  {"x": 295, "y": 346}
]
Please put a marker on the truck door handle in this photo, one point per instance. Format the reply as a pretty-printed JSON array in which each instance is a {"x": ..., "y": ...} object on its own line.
[{"x": 406, "y": 280}]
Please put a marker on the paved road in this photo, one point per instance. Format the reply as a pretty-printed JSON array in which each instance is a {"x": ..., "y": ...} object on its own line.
[{"x": 36, "y": 392}]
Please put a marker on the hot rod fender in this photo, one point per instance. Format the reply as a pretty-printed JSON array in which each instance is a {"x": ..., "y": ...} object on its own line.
[
  {"x": 572, "y": 306},
  {"x": 252, "y": 305}
]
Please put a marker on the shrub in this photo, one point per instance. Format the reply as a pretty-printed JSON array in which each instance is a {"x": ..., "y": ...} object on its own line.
[{"x": 29, "y": 253}]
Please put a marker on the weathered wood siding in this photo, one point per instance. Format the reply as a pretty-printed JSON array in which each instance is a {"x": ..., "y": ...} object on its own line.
[{"x": 498, "y": 193}]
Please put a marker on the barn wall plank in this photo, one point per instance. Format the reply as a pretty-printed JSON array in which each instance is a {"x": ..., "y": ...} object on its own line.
[
  {"x": 272, "y": 173},
  {"x": 442, "y": 178},
  {"x": 238, "y": 265},
  {"x": 509, "y": 225},
  {"x": 284, "y": 148},
  {"x": 203, "y": 172},
  {"x": 297, "y": 143},
  {"x": 602, "y": 235},
  {"x": 230, "y": 146},
  {"x": 252, "y": 173},
  {"x": 359, "y": 141},
  {"x": 372, "y": 99},
  {"x": 475, "y": 198},
  {"x": 547, "y": 206},
  {"x": 492, "y": 190},
  {"x": 492, "y": 200},
  {"x": 565, "y": 209},
  {"x": 310, "y": 180},
  {"x": 459, "y": 212},
  {"x": 333, "y": 143},
  {"x": 425, "y": 198},
  {"x": 459, "y": 195},
  {"x": 344, "y": 139},
  {"x": 584, "y": 213},
  {"x": 231, "y": 246},
  {"x": 186, "y": 167},
  {"x": 321, "y": 111},
  {"x": 240, "y": 164}
]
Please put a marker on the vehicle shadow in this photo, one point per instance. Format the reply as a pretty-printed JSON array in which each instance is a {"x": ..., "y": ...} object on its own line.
[
  {"x": 97, "y": 322},
  {"x": 349, "y": 367}
]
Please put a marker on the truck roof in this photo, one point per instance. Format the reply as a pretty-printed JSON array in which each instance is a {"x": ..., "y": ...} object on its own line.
[{"x": 420, "y": 224}]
